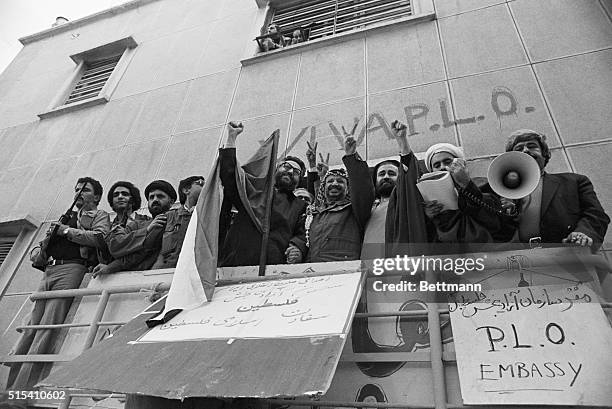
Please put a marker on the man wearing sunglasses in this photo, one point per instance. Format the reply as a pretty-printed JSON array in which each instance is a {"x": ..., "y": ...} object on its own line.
[
  {"x": 177, "y": 221},
  {"x": 241, "y": 245}
]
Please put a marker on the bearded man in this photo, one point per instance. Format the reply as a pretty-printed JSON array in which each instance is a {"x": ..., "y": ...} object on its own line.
[
  {"x": 338, "y": 221},
  {"x": 287, "y": 239}
]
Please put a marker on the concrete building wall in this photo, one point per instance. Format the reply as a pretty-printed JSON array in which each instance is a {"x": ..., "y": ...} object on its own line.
[
  {"x": 480, "y": 70},
  {"x": 477, "y": 72}
]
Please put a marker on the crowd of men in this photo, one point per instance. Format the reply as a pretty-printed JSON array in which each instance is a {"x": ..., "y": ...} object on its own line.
[{"x": 317, "y": 215}]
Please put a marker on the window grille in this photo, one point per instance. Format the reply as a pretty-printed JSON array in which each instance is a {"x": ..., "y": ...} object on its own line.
[
  {"x": 94, "y": 77},
  {"x": 338, "y": 16},
  {"x": 5, "y": 248}
]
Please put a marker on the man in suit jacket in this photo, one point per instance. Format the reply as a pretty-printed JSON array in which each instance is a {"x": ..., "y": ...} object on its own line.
[{"x": 564, "y": 207}]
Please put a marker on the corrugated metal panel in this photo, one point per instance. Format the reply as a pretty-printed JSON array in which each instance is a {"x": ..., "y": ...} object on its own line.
[
  {"x": 5, "y": 248},
  {"x": 337, "y": 16},
  {"x": 93, "y": 79}
]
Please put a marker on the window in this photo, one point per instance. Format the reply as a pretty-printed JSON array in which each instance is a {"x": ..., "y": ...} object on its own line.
[
  {"x": 95, "y": 77},
  {"x": 316, "y": 23},
  {"x": 16, "y": 236},
  {"x": 330, "y": 17},
  {"x": 6, "y": 244}
]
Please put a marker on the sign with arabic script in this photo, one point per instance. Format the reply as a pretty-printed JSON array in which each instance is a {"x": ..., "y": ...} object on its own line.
[
  {"x": 281, "y": 335},
  {"x": 532, "y": 345},
  {"x": 296, "y": 307}
]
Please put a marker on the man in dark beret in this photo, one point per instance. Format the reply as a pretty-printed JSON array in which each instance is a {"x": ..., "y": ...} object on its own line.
[
  {"x": 144, "y": 236},
  {"x": 177, "y": 220}
]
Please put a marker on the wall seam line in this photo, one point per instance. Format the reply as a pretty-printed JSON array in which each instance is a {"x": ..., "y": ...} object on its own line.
[
  {"x": 447, "y": 80},
  {"x": 292, "y": 110},
  {"x": 540, "y": 88},
  {"x": 173, "y": 130}
]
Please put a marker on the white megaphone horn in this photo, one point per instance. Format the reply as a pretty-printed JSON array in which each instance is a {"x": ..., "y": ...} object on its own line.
[{"x": 513, "y": 175}]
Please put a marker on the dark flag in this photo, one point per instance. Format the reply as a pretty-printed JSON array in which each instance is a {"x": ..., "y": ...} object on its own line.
[
  {"x": 406, "y": 228},
  {"x": 196, "y": 270}
]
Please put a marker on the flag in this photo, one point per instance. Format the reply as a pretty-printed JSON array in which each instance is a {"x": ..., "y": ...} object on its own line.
[{"x": 195, "y": 275}]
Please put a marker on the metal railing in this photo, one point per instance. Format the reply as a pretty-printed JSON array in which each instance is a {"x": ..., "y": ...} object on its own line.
[
  {"x": 95, "y": 323},
  {"x": 436, "y": 356}
]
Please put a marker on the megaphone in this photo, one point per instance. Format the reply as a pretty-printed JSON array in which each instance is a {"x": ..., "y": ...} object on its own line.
[{"x": 513, "y": 175}]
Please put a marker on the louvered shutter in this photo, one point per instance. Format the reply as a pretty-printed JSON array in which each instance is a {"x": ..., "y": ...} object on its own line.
[
  {"x": 321, "y": 12},
  {"x": 5, "y": 248},
  {"x": 353, "y": 14},
  {"x": 93, "y": 79},
  {"x": 338, "y": 16}
]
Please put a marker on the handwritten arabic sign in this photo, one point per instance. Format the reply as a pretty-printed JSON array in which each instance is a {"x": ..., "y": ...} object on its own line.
[
  {"x": 298, "y": 307},
  {"x": 533, "y": 345},
  {"x": 243, "y": 366}
]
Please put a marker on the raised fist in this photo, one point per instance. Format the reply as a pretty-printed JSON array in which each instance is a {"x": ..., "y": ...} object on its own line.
[
  {"x": 234, "y": 128},
  {"x": 399, "y": 131}
]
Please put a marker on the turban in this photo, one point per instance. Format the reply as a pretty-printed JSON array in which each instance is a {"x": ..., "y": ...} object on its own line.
[{"x": 442, "y": 147}]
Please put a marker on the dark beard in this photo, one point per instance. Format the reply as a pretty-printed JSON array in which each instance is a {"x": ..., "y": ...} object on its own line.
[
  {"x": 158, "y": 210},
  {"x": 384, "y": 188},
  {"x": 155, "y": 213},
  {"x": 281, "y": 184}
]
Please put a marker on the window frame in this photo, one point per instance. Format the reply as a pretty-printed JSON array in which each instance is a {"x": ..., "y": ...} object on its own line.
[
  {"x": 423, "y": 10},
  {"x": 23, "y": 230},
  {"x": 126, "y": 47},
  {"x": 3, "y": 241}
]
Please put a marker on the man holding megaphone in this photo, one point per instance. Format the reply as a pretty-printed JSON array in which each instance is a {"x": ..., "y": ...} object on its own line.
[{"x": 550, "y": 207}]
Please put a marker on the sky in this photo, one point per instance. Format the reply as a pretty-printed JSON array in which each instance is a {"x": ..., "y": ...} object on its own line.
[{"x": 24, "y": 17}]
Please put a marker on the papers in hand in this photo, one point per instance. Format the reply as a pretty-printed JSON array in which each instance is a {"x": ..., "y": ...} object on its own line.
[{"x": 439, "y": 186}]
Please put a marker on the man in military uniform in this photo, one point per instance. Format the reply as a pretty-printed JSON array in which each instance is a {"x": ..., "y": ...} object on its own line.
[
  {"x": 124, "y": 198},
  {"x": 177, "y": 220},
  {"x": 71, "y": 251},
  {"x": 143, "y": 237}
]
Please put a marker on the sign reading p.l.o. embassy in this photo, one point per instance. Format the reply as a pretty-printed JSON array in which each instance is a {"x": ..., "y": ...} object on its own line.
[{"x": 533, "y": 345}]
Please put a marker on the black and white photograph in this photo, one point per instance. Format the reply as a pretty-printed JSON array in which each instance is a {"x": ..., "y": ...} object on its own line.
[{"x": 304, "y": 204}]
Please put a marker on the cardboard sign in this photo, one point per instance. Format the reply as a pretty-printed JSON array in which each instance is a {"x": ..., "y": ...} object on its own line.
[
  {"x": 285, "y": 339},
  {"x": 547, "y": 345},
  {"x": 298, "y": 307}
]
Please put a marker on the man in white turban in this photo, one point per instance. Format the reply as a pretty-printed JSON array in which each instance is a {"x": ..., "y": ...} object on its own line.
[
  {"x": 441, "y": 155},
  {"x": 450, "y": 158},
  {"x": 479, "y": 218}
]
